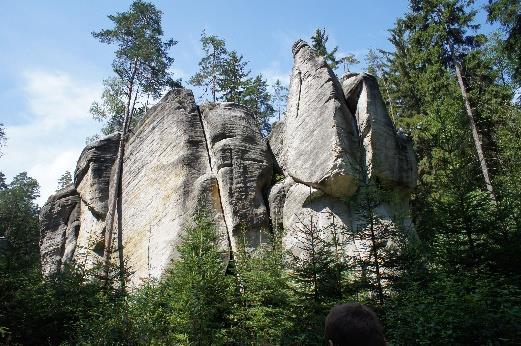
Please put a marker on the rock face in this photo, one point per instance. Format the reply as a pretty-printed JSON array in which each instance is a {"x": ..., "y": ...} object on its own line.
[
  {"x": 59, "y": 227},
  {"x": 242, "y": 164},
  {"x": 336, "y": 139},
  {"x": 387, "y": 155},
  {"x": 320, "y": 138},
  {"x": 92, "y": 182},
  {"x": 166, "y": 174}
]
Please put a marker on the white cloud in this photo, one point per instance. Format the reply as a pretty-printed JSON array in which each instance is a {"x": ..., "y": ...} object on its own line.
[{"x": 57, "y": 121}]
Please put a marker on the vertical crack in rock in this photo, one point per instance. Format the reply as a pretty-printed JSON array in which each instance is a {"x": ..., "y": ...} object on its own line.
[
  {"x": 299, "y": 79},
  {"x": 243, "y": 167},
  {"x": 218, "y": 187}
]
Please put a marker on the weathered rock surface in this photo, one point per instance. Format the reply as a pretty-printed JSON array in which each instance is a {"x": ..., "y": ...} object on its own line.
[
  {"x": 242, "y": 164},
  {"x": 387, "y": 155},
  {"x": 334, "y": 141},
  {"x": 92, "y": 181},
  {"x": 320, "y": 137},
  {"x": 166, "y": 173},
  {"x": 58, "y": 229}
]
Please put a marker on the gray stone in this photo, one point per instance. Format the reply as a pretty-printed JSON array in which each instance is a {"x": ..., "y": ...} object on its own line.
[
  {"x": 242, "y": 164},
  {"x": 58, "y": 229},
  {"x": 166, "y": 174},
  {"x": 276, "y": 200},
  {"x": 93, "y": 170},
  {"x": 321, "y": 146},
  {"x": 387, "y": 156},
  {"x": 92, "y": 179},
  {"x": 276, "y": 146}
]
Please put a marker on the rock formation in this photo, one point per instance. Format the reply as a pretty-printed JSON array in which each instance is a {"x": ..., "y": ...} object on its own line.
[{"x": 335, "y": 139}]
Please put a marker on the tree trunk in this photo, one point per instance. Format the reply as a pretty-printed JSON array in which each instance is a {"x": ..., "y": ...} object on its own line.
[
  {"x": 115, "y": 202},
  {"x": 475, "y": 134}
]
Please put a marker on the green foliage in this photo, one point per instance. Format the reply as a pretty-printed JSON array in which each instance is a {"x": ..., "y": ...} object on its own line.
[
  {"x": 508, "y": 14},
  {"x": 258, "y": 100},
  {"x": 318, "y": 42},
  {"x": 2, "y": 138},
  {"x": 111, "y": 109},
  {"x": 198, "y": 291},
  {"x": 233, "y": 77},
  {"x": 261, "y": 314},
  {"x": 65, "y": 180},
  {"x": 19, "y": 221},
  {"x": 347, "y": 60},
  {"x": 211, "y": 64},
  {"x": 316, "y": 280},
  {"x": 141, "y": 65},
  {"x": 280, "y": 98}
]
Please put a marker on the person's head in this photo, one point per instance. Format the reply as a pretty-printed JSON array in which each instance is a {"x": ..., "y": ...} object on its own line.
[{"x": 353, "y": 325}]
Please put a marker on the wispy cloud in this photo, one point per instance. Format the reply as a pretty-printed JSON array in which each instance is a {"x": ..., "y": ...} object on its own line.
[
  {"x": 275, "y": 72},
  {"x": 57, "y": 121}
]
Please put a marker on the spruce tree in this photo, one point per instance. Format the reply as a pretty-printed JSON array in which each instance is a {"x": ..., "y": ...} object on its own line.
[{"x": 198, "y": 292}]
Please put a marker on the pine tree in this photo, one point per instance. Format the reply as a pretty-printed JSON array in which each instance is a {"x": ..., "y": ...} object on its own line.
[
  {"x": 211, "y": 64},
  {"x": 2, "y": 138},
  {"x": 318, "y": 42},
  {"x": 347, "y": 60},
  {"x": 141, "y": 64}
]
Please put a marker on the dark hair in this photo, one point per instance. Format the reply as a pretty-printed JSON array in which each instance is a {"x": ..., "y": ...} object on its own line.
[{"x": 353, "y": 325}]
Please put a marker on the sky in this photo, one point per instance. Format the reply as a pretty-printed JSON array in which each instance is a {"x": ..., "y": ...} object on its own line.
[{"x": 51, "y": 68}]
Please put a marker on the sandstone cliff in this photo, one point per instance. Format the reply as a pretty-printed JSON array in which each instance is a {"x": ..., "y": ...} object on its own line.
[{"x": 335, "y": 138}]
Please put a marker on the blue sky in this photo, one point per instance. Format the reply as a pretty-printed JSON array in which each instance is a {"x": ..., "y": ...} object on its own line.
[{"x": 51, "y": 68}]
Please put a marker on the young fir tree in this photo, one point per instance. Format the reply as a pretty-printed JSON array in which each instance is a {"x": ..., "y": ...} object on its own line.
[
  {"x": 211, "y": 64},
  {"x": 318, "y": 42},
  {"x": 261, "y": 311},
  {"x": 316, "y": 279},
  {"x": 198, "y": 292},
  {"x": 378, "y": 242},
  {"x": 141, "y": 65}
]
